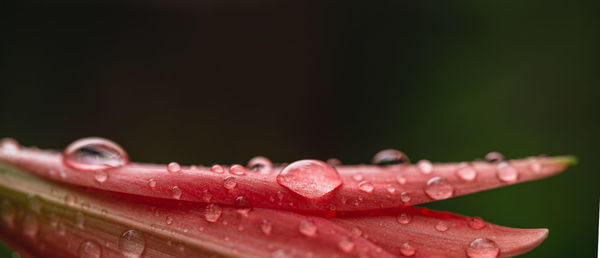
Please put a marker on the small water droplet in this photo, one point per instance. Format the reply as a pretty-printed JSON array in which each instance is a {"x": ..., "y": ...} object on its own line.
[
  {"x": 80, "y": 220},
  {"x": 152, "y": 183},
  {"x": 229, "y": 183},
  {"x": 307, "y": 228},
  {"x": 132, "y": 243},
  {"x": 404, "y": 218},
  {"x": 89, "y": 249},
  {"x": 217, "y": 169},
  {"x": 213, "y": 212},
  {"x": 266, "y": 227},
  {"x": 309, "y": 178},
  {"x": 9, "y": 146},
  {"x": 507, "y": 173},
  {"x": 31, "y": 226},
  {"x": 174, "y": 167},
  {"x": 260, "y": 164},
  {"x": 366, "y": 187},
  {"x": 358, "y": 177},
  {"x": 405, "y": 197},
  {"x": 441, "y": 226},
  {"x": 494, "y": 157},
  {"x": 94, "y": 153},
  {"x": 237, "y": 170},
  {"x": 334, "y": 162},
  {"x": 476, "y": 223},
  {"x": 407, "y": 250},
  {"x": 169, "y": 220},
  {"x": 206, "y": 196},
  {"x": 483, "y": 248},
  {"x": 466, "y": 173},
  {"x": 100, "y": 176},
  {"x": 391, "y": 189},
  {"x": 438, "y": 188},
  {"x": 176, "y": 192},
  {"x": 390, "y": 157},
  {"x": 401, "y": 180},
  {"x": 346, "y": 245},
  {"x": 425, "y": 166}
]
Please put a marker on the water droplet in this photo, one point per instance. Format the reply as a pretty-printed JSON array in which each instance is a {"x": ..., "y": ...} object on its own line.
[
  {"x": 401, "y": 180},
  {"x": 407, "y": 250},
  {"x": 176, "y": 192},
  {"x": 358, "y": 177},
  {"x": 217, "y": 169},
  {"x": 229, "y": 183},
  {"x": 213, "y": 212},
  {"x": 483, "y": 248},
  {"x": 535, "y": 165},
  {"x": 260, "y": 164},
  {"x": 132, "y": 243},
  {"x": 438, "y": 188},
  {"x": 425, "y": 166},
  {"x": 346, "y": 245},
  {"x": 266, "y": 227},
  {"x": 404, "y": 218},
  {"x": 8, "y": 213},
  {"x": 405, "y": 197},
  {"x": 494, "y": 157},
  {"x": 100, "y": 176},
  {"x": 441, "y": 226},
  {"x": 307, "y": 228},
  {"x": 334, "y": 162},
  {"x": 9, "y": 146},
  {"x": 80, "y": 220},
  {"x": 476, "y": 223},
  {"x": 366, "y": 187},
  {"x": 391, "y": 189},
  {"x": 93, "y": 153},
  {"x": 237, "y": 170},
  {"x": 169, "y": 220},
  {"x": 206, "y": 196},
  {"x": 466, "y": 173},
  {"x": 31, "y": 225},
  {"x": 151, "y": 183},
  {"x": 390, "y": 157},
  {"x": 174, "y": 167},
  {"x": 507, "y": 173},
  {"x": 309, "y": 178},
  {"x": 89, "y": 249}
]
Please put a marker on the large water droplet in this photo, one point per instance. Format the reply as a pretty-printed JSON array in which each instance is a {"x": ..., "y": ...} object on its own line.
[
  {"x": 494, "y": 157},
  {"x": 366, "y": 187},
  {"x": 483, "y": 248},
  {"x": 100, "y": 176},
  {"x": 404, "y": 218},
  {"x": 176, "y": 191},
  {"x": 266, "y": 227},
  {"x": 466, "y": 172},
  {"x": 309, "y": 178},
  {"x": 132, "y": 243},
  {"x": 260, "y": 164},
  {"x": 307, "y": 228},
  {"x": 407, "y": 250},
  {"x": 229, "y": 183},
  {"x": 476, "y": 223},
  {"x": 441, "y": 226},
  {"x": 425, "y": 166},
  {"x": 390, "y": 157},
  {"x": 438, "y": 188},
  {"x": 346, "y": 245},
  {"x": 507, "y": 173},
  {"x": 89, "y": 249},
  {"x": 9, "y": 146},
  {"x": 213, "y": 212},
  {"x": 217, "y": 169},
  {"x": 174, "y": 167},
  {"x": 94, "y": 153}
]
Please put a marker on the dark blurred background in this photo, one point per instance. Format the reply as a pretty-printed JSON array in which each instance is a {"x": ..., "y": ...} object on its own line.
[{"x": 201, "y": 82}]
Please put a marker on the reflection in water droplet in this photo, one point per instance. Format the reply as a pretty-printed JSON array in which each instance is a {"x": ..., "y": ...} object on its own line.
[
  {"x": 174, "y": 167},
  {"x": 507, "y": 173},
  {"x": 441, "y": 226},
  {"x": 366, "y": 187},
  {"x": 309, "y": 178},
  {"x": 100, "y": 176},
  {"x": 346, "y": 245},
  {"x": 483, "y": 248},
  {"x": 476, "y": 223},
  {"x": 307, "y": 228},
  {"x": 213, "y": 212},
  {"x": 176, "y": 192},
  {"x": 407, "y": 250},
  {"x": 9, "y": 146},
  {"x": 438, "y": 188},
  {"x": 494, "y": 157},
  {"x": 404, "y": 218},
  {"x": 229, "y": 183},
  {"x": 260, "y": 164},
  {"x": 89, "y": 249},
  {"x": 390, "y": 157},
  {"x": 93, "y": 153},
  {"x": 405, "y": 197},
  {"x": 132, "y": 243},
  {"x": 217, "y": 169},
  {"x": 466, "y": 173},
  {"x": 266, "y": 227},
  {"x": 425, "y": 166},
  {"x": 237, "y": 170}
]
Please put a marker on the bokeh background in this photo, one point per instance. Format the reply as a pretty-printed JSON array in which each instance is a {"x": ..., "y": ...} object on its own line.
[{"x": 211, "y": 81}]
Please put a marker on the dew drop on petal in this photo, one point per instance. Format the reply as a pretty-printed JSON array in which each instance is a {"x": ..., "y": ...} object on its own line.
[
  {"x": 346, "y": 245},
  {"x": 266, "y": 227},
  {"x": 404, "y": 218},
  {"x": 89, "y": 249},
  {"x": 405, "y": 197},
  {"x": 229, "y": 183},
  {"x": 476, "y": 223},
  {"x": 334, "y": 162},
  {"x": 206, "y": 196},
  {"x": 438, "y": 188},
  {"x": 93, "y": 153},
  {"x": 494, "y": 157},
  {"x": 466, "y": 173},
  {"x": 391, "y": 189},
  {"x": 174, "y": 167},
  {"x": 507, "y": 173},
  {"x": 9, "y": 146},
  {"x": 425, "y": 166},
  {"x": 366, "y": 187},
  {"x": 132, "y": 243},
  {"x": 358, "y": 177},
  {"x": 260, "y": 164},
  {"x": 237, "y": 170},
  {"x": 169, "y": 220},
  {"x": 407, "y": 250},
  {"x": 307, "y": 228},
  {"x": 309, "y": 178},
  {"x": 212, "y": 212},
  {"x": 152, "y": 183},
  {"x": 441, "y": 226},
  {"x": 100, "y": 176},
  {"x": 176, "y": 192},
  {"x": 483, "y": 248},
  {"x": 401, "y": 180},
  {"x": 390, "y": 157},
  {"x": 217, "y": 169}
]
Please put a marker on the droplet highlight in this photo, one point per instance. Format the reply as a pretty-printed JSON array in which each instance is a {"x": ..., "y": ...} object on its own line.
[
  {"x": 212, "y": 212},
  {"x": 483, "y": 248},
  {"x": 390, "y": 157},
  {"x": 476, "y": 223},
  {"x": 174, "y": 167},
  {"x": 229, "y": 183},
  {"x": 407, "y": 250},
  {"x": 100, "y": 176},
  {"x": 260, "y": 164},
  {"x": 494, "y": 157},
  {"x": 404, "y": 218},
  {"x": 217, "y": 169},
  {"x": 9, "y": 146},
  {"x": 309, "y": 178},
  {"x": 346, "y": 245},
  {"x": 237, "y": 170},
  {"x": 266, "y": 227},
  {"x": 366, "y": 187},
  {"x": 89, "y": 249},
  {"x": 425, "y": 166},
  {"x": 405, "y": 197},
  {"x": 438, "y": 188},
  {"x": 307, "y": 228},
  {"x": 132, "y": 243},
  {"x": 91, "y": 154},
  {"x": 176, "y": 192},
  {"x": 466, "y": 173},
  {"x": 441, "y": 227},
  {"x": 507, "y": 173}
]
